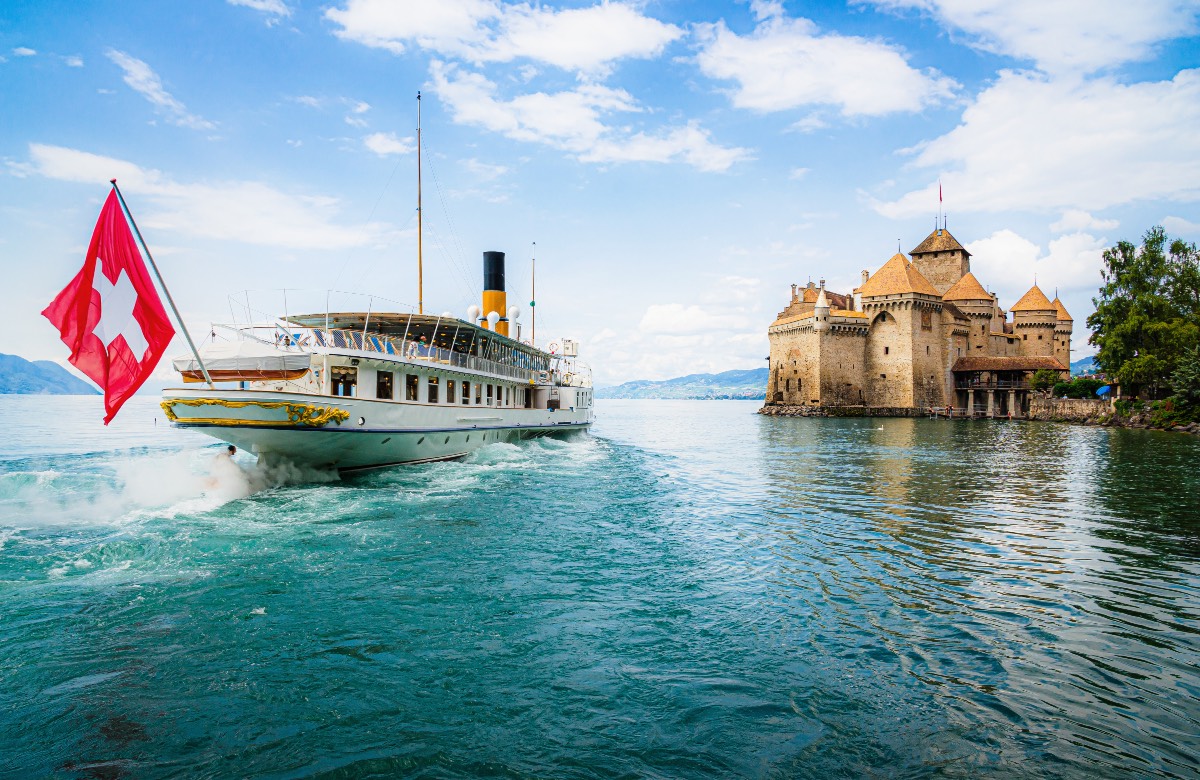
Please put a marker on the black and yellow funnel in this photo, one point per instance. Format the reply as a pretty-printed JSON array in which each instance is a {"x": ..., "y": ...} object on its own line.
[{"x": 494, "y": 297}]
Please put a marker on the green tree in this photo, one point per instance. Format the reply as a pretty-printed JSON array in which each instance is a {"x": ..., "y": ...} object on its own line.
[
  {"x": 1186, "y": 380},
  {"x": 1147, "y": 316},
  {"x": 1043, "y": 379}
]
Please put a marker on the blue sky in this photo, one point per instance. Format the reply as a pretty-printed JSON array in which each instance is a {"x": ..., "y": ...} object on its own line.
[{"x": 678, "y": 164}]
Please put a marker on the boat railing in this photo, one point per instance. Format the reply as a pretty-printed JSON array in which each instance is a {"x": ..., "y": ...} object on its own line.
[{"x": 414, "y": 352}]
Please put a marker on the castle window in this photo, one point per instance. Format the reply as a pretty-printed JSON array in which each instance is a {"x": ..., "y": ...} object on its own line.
[
  {"x": 883, "y": 376},
  {"x": 926, "y": 349},
  {"x": 1027, "y": 337},
  {"x": 1039, "y": 337},
  {"x": 885, "y": 350},
  {"x": 788, "y": 385}
]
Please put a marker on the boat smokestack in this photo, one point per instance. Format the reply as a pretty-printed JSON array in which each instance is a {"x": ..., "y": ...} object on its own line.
[{"x": 494, "y": 297}]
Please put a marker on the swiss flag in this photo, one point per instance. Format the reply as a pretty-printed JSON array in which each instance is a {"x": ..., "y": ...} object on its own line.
[{"x": 110, "y": 314}]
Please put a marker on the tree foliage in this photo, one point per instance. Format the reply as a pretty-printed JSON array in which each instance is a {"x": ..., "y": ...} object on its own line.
[
  {"x": 1043, "y": 379},
  {"x": 1147, "y": 316},
  {"x": 1186, "y": 380},
  {"x": 1079, "y": 387}
]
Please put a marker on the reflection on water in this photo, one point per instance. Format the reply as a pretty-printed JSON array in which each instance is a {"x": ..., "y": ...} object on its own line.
[
  {"x": 1039, "y": 579},
  {"x": 692, "y": 591}
]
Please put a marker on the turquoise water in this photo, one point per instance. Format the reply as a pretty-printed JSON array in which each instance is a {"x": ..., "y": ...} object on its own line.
[{"x": 690, "y": 591}]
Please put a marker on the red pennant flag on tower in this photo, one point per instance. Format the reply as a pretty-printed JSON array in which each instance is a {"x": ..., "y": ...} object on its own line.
[{"x": 110, "y": 314}]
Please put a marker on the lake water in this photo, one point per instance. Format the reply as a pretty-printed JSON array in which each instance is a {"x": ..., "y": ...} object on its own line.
[{"x": 690, "y": 591}]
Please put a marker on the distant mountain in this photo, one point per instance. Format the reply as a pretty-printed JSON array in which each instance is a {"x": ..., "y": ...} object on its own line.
[
  {"x": 744, "y": 384},
  {"x": 1086, "y": 365},
  {"x": 20, "y": 376}
]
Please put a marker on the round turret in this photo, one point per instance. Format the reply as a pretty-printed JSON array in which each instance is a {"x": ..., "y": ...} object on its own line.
[{"x": 821, "y": 313}]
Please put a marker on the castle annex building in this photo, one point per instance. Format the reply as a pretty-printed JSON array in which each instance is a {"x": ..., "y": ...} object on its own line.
[{"x": 917, "y": 334}]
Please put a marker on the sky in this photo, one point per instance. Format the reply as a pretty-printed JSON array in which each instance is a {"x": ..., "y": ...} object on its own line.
[{"x": 672, "y": 166}]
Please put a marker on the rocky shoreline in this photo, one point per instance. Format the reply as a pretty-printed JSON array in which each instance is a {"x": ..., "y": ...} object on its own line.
[{"x": 1088, "y": 413}]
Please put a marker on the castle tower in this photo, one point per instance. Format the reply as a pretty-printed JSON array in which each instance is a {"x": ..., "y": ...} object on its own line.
[
  {"x": 977, "y": 303},
  {"x": 904, "y": 350},
  {"x": 821, "y": 313},
  {"x": 1034, "y": 321},
  {"x": 941, "y": 260},
  {"x": 1062, "y": 333}
]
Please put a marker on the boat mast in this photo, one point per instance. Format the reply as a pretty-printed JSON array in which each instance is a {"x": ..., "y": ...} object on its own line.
[
  {"x": 420, "y": 263},
  {"x": 533, "y": 298}
]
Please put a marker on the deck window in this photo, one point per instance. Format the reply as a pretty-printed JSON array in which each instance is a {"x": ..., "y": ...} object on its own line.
[
  {"x": 450, "y": 384},
  {"x": 343, "y": 380},
  {"x": 490, "y": 390},
  {"x": 433, "y": 390},
  {"x": 410, "y": 387},
  {"x": 383, "y": 385},
  {"x": 466, "y": 394},
  {"x": 478, "y": 394}
]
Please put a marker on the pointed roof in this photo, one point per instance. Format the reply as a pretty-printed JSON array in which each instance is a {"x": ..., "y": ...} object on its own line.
[
  {"x": 939, "y": 241},
  {"x": 897, "y": 276},
  {"x": 1034, "y": 300},
  {"x": 822, "y": 301},
  {"x": 967, "y": 288},
  {"x": 1061, "y": 310}
]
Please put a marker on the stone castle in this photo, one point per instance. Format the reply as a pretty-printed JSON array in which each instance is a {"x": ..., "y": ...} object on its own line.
[{"x": 919, "y": 334}]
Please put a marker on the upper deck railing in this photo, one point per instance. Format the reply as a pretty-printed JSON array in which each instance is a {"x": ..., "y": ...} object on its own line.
[{"x": 410, "y": 351}]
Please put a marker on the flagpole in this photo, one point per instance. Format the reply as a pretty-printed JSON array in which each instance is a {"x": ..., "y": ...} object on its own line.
[{"x": 161, "y": 283}]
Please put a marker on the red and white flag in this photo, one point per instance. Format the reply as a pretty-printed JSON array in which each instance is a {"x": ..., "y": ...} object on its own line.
[{"x": 110, "y": 314}]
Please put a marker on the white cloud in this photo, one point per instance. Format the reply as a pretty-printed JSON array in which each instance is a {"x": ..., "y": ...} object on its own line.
[
  {"x": 143, "y": 80},
  {"x": 787, "y": 63},
  {"x": 276, "y": 9},
  {"x": 798, "y": 173},
  {"x": 23, "y": 51},
  {"x": 484, "y": 171},
  {"x": 243, "y": 211},
  {"x": 587, "y": 40},
  {"x": 1065, "y": 35},
  {"x": 1180, "y": 227},
  {"x": 1029, "y": 142},
  {"x": 572, "y": 121},
  {"x": 726, "y": 329},
  {"x": 1007, "y": 264},
  {"x": 73, "y": 61},
  {"x": 359, "y": 107},
  {"x": 308, "y": 100},
  {"x": 385, "y": 144},
  {"x": 1074, "y": 220}
]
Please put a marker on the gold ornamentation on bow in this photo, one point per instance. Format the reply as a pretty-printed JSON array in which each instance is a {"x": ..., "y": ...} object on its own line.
[{"x": 297, "y": 413}]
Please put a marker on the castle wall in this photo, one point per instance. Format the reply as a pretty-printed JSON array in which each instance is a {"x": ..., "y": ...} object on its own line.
[
  {"x": 795, "y": 360},
  {"x": 942, "y": 269},
  {"x": 842, "y": 368},
  {"x": 888, "y": 357},
  {"x": 928, "y": 354},
  {"x": 1062, "y": 343},
  {"x": 1036, "y": 334}
]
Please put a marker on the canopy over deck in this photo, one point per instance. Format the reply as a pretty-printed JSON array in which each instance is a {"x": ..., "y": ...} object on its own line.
[{"x": 449, "y": 333}]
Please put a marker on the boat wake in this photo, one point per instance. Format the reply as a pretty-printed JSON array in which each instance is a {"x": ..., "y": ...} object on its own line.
[{"x": 116, "y": 488}]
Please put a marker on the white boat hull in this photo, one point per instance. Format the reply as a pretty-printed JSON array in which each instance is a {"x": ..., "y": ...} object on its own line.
[{"x": 357, "y": 433}]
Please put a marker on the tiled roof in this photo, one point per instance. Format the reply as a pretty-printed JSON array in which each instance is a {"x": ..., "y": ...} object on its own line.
[
  {"x": 967, "y": 288},
  {"x": 939, "y": 241},
  {"x": 1034, "y": 300},
  {"x": 847, "y": 313},
  {"x": 895, "y": 277},
  {"x": 1007, "y": 364},
  {"x": 1062, "y": 311},
  {"x": 811, "y": 293}
]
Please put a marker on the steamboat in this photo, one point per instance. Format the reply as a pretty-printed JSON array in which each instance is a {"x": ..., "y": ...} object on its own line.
[{"x": 362, "y": 390}]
